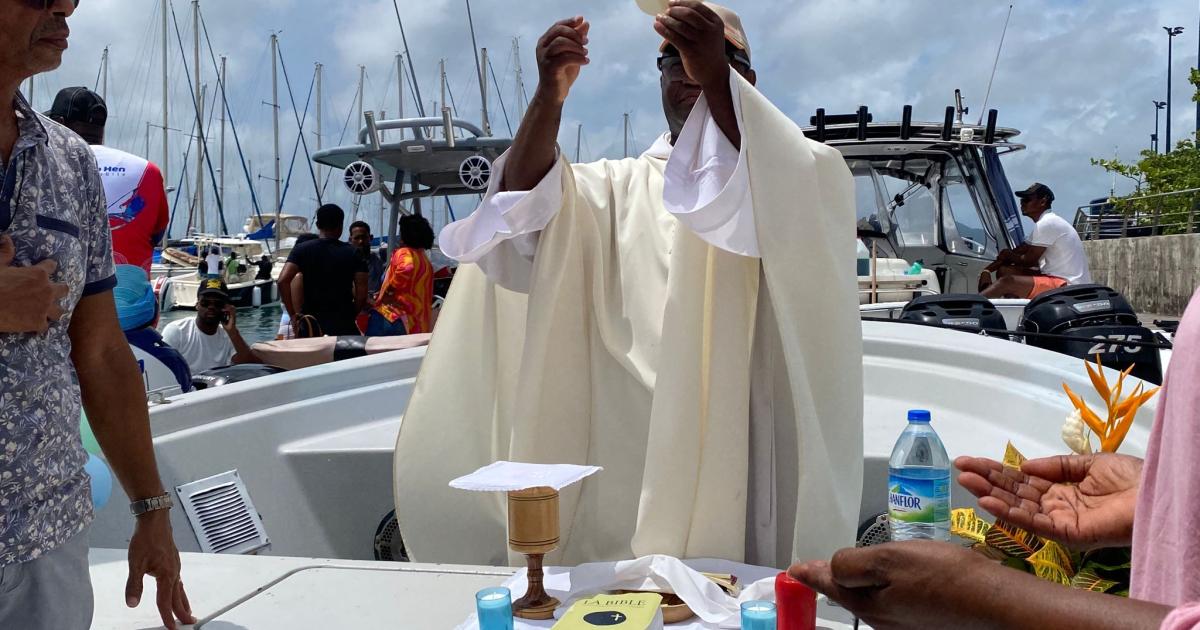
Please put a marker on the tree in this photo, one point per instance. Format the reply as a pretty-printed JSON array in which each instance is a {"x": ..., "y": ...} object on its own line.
[{"x": 1155, "y": 174}]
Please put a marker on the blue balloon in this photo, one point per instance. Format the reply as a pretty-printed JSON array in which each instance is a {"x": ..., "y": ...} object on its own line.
[{"x": 102, "y": 481}]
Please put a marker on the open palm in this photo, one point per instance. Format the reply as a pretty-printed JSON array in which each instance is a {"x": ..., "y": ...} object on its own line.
[{"x": 1082, "y": 501}]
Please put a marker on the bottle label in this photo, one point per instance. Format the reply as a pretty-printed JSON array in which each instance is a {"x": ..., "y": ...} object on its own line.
[{"x": 916, "y": 500}]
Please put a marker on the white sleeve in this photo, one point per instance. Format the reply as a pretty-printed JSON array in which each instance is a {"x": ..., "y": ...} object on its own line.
[
  {"x": 172, "y": 336},
  {"x": 1047, "y": 233},
  {"x": 708, "y": 183},
  {"x": 516, "y": 217}
]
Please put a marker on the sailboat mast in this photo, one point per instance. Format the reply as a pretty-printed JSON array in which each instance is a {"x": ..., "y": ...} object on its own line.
[
  {"x": 479, "y": 66},
  {"x": 626, "y": 135},
  {"x": 275, "y": 125},
  {"x": 166, "y": 149},
  {"x": 578, "y": 141},
  {"x": 362, "y": 79},
  {"x": 200, "y": 96},
  {"x": 221, "y": 192},
  {"x": 483, "y": 83},
  {"x": 319, "y": 69},
  {"x": 520, "y": 101},
  {"x": 104, "y": 74},
  {"x": 400, "y": 83},
  {"x": 445, "y": 106}
]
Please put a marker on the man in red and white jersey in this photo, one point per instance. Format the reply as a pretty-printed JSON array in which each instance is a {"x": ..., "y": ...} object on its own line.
[{"x": 138, "y": 215}]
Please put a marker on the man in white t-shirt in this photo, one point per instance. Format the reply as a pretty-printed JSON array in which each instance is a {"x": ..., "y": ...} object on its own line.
[
  {"x": 211, "y": 339},
  {"x": 1052, "y": 258}
]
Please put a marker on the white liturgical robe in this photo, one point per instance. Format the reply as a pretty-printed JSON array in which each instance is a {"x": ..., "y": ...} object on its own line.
[{"x": 657, "y": 317}]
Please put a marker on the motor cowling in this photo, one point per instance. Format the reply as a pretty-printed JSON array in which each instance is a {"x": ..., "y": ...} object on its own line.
[
  {"x": 1093, "y": 320},
  {"x": 974, "y": 313}
]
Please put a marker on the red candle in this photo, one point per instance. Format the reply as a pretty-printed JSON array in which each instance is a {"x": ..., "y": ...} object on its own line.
[{"x": 796, "y": 604}]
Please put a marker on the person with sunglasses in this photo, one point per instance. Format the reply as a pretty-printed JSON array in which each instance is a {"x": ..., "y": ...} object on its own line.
[
  {"x": 653, "y": 301},
  {"x": 54, "y": 228},
  {"x": 211, "y": 339}
]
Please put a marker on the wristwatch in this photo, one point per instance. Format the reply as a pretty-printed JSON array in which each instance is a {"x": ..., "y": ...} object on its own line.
[{"x": 153, "y": 504}]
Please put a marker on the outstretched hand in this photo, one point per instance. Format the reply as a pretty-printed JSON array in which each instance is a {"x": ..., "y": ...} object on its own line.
[
  {"x": 561, "y": 54},
  {"x": 1082, "y": 501},
  {"x": 698, "y": 33}
]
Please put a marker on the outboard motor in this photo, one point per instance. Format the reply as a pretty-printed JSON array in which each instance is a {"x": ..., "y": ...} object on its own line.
[
  {"x": 973, "y": 313},
  {"x": 233, "y": 374},
  {"x": 1102, "y": 320}
]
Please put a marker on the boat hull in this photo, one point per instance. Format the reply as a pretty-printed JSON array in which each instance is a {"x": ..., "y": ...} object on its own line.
[{"x": 180, "y": 293}]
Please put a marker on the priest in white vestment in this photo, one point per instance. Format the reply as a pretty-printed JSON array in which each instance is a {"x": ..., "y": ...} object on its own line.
[{"x": 687, "y": 320}]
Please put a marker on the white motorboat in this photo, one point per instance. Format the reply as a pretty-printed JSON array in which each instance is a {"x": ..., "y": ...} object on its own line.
[
  {"x": 312, "y": 449},
  {"x": 245, "y": 288}
]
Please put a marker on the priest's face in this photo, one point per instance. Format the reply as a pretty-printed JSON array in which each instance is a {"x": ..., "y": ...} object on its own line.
[{"x": 680, "y": 92}]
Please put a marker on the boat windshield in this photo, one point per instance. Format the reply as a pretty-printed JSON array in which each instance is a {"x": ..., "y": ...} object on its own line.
[{"x": 932, "y": 200}]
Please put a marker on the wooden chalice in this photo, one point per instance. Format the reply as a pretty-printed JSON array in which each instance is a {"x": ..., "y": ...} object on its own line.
[{"x": 533, "y": 531}]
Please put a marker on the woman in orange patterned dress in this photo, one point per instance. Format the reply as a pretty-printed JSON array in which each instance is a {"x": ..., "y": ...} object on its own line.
[{"x": 405, "y": 302}]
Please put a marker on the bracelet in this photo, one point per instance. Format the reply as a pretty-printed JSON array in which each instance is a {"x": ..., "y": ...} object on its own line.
[{"x": 153, "y": 504}]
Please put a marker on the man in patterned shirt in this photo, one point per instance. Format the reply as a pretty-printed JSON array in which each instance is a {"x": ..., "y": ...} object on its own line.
[{"x": 54, "y": 228}]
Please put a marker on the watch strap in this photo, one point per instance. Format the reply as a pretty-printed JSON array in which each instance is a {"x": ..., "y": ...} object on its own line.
[{"x": 153, "y": 504}]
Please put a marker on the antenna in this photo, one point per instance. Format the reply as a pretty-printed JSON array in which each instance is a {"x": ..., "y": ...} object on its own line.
[{"x": 988, "y": 95}]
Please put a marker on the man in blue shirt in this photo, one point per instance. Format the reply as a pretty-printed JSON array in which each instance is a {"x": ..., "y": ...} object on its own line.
[{"x": 54, "y": 227}]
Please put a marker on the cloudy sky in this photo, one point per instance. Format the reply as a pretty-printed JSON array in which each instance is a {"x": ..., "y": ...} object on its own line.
[{"x": 1076, "y": 77}]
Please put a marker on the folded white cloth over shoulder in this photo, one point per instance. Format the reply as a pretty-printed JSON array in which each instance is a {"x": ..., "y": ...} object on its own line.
[{"x": 513, "y": 476}]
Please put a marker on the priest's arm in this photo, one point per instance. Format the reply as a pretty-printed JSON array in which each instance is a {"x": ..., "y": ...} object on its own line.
[{"x": 707, "y": 187}]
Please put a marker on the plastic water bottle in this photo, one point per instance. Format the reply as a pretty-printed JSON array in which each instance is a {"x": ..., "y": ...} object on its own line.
[{"x": 919, "y": 483}]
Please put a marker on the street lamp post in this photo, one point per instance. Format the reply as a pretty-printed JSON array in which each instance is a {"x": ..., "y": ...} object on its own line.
[
  {"x": 1158, "y": 107},
  {"x": 1172, "y": 31}
]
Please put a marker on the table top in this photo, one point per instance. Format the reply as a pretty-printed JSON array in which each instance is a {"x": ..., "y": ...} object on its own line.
[{"x": 258, "y": 593}]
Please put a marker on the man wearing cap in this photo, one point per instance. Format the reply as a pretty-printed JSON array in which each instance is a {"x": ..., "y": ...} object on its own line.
[
  {"x": 138, "y": 214},
  {"x": 211, "y": 339},
  {"x": 1052, "y": 258},
  {"x": 650, "y": 316},
  {"x": 53, "y": 220}
]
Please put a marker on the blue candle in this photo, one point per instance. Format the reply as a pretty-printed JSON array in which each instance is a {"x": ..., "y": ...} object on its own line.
[
  {"x": 494, "y": 606},
  {"x": 758, "y": 615}
]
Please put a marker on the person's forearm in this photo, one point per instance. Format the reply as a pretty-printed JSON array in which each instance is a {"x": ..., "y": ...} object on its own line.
[
  {"x": 535, "y": 148},
  {"x": 720, "y": 105},
  {"x": 242, "y": 352},
  {"x": 115, "y": 401},
  {"x": 1021, "y": 600},
  {"x": 285, "y": 295}
]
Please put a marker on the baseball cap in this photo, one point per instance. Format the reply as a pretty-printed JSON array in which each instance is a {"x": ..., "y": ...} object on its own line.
[
  {"x": 1038, "y": 191},
  {"x": 79, "y": 105},
  {"x": 214, "y": 287},
  {"x": 136, "y": 306},
  {"x": 734, "y": 32}
]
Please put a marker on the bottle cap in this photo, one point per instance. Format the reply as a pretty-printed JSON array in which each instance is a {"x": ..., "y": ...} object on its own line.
[{"x": 919, "y": 415}]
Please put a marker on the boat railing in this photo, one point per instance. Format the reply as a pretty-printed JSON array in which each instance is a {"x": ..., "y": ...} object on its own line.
[
  {"x": 1176, "y": 212},
  {"x": 422, "y": 128}
]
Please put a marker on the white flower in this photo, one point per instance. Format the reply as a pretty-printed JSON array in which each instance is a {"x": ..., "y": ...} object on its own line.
[{"x": 1076, "y": 435}]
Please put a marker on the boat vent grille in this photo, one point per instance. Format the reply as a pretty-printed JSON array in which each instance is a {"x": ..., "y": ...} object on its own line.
[{"x": 222, "y": 515}]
